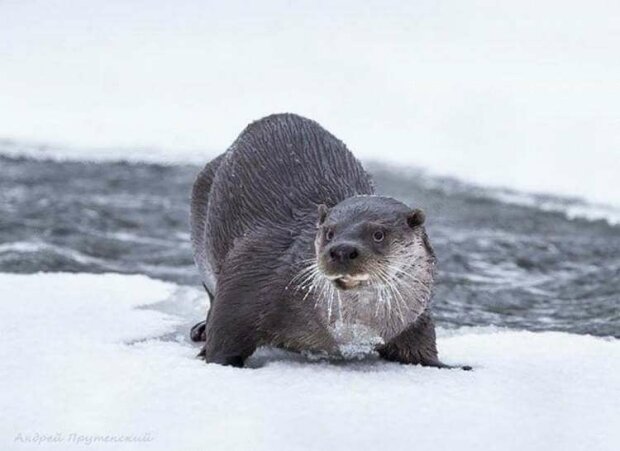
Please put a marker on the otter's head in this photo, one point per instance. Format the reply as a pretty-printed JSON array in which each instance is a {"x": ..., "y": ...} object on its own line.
[{"x": 366, "y": 240}]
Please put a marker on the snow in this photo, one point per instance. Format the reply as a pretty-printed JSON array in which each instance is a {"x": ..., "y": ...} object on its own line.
[
  {"x": 521, "y": 95},
  {"x": 88, "y": 356}
]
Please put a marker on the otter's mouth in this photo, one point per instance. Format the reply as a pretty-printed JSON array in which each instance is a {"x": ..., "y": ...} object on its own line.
[{"x": 347, "y": 282}]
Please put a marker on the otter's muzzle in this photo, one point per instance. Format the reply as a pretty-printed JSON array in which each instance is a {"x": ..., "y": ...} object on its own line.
[
  {"x": 343, "y": 265},
  {"x": 343, "y": 254}
]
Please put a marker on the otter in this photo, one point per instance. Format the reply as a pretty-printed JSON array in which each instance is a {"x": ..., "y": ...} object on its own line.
[{"x": 296, "y": 251}]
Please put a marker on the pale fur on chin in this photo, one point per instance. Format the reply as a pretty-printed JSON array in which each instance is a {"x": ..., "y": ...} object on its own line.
[{"x": 387, "y": 298}]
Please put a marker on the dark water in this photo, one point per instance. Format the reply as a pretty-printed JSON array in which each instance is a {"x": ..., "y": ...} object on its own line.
[{"x": 500, "y": 264}]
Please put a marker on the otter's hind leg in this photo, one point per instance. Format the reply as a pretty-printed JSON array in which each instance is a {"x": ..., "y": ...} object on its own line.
[
  {"x": 198, "y": 218},
  {"x": 416, "y": 345},
  {"x": 198, "y": 331}
]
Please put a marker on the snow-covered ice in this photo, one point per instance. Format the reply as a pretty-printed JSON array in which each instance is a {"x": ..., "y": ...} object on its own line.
[{"x": 106, "y": 355}]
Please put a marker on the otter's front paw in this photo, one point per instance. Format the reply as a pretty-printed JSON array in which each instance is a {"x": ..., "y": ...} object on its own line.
[
  {"x": 438, "y": 364},
  {"x": 414, "y": 356}
]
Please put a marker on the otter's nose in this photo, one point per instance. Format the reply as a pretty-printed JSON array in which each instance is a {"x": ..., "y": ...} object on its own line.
[{"x": 343, "y": 253}]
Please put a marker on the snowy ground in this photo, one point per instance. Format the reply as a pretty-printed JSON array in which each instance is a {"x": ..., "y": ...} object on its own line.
[{"x": 106, "y": 355}]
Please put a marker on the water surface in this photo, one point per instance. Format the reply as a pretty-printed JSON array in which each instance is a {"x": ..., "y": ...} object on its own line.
[{"x": 499, "y": 263}]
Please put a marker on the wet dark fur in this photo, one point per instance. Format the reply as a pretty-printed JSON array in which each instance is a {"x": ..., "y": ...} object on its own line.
[{"x": 254, "y": 218}]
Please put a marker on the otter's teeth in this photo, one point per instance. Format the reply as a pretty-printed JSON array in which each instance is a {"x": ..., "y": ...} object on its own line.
[
  {"x": 345, "y": 284},
  {"x": 356, "y": 278},
  {"x": 348, "y": 281}
]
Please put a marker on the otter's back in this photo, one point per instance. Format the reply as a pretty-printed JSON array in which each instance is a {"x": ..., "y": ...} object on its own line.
[{"x": 274, "y": 175}]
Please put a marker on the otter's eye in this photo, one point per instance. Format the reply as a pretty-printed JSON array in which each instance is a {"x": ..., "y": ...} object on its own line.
[
  {"x": 329, "y": 234},
  {"x": 378, "y": 236}
]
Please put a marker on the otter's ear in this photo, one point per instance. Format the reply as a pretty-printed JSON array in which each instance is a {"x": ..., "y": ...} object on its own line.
[
  {"x": 323, "y": 210},
  {"x": 416, "y": 218}
]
